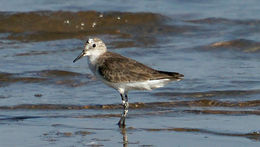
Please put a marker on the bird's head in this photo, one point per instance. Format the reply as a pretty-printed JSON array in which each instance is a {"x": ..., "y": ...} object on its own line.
[{"x": 93, "y": 47}]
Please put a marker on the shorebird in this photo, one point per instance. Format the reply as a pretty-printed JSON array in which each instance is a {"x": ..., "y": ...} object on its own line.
[{"x": 122, "y": 73}]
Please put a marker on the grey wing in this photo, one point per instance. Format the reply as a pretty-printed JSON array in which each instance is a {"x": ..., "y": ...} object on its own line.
[{"x": 123, "y": 69}]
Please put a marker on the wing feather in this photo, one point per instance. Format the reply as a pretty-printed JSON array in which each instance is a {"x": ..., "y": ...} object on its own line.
[{"x": 116, "y": 68}]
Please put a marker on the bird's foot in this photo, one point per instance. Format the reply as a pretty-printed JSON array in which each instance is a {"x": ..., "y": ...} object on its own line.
[{"x": 121, "y": 122}]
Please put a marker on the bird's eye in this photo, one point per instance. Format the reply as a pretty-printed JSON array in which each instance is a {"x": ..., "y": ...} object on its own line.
[{"x": 94, "y": 45}]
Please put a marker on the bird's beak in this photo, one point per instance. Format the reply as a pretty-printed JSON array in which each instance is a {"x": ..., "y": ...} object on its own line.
[{"x": 80, "y": 56}]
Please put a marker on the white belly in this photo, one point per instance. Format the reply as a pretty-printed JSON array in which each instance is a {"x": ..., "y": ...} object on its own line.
[{"x": 146, "y": 85}]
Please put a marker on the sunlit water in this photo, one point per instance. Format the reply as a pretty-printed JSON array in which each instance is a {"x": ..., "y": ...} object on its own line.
[{"x": 46, "y": 100}]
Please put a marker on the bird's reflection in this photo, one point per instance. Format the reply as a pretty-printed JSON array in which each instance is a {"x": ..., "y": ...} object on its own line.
[{"x": 124, "y": 134}]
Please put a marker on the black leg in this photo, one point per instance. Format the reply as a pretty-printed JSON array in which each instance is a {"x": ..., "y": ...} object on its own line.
[
  {"x": 126, "y": 98},
  {"x": 125, "y": 104},
  {"x": 120, "y": 123}
]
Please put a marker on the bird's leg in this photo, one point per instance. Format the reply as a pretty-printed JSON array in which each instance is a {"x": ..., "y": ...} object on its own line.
[
  {"x": 124, "y": 134},
  {"x": 122, "y": 119},
  {"x": 125, "y": 106}
]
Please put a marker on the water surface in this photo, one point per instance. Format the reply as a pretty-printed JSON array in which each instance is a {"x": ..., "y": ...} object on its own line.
[{"x": 47, "y": 100}]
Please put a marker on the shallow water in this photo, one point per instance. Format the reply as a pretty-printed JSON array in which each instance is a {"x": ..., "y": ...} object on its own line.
[{"x": 47, "y": 100}]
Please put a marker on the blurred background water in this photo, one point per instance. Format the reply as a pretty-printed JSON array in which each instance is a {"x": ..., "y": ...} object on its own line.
[{"x": 46, "y": 100}]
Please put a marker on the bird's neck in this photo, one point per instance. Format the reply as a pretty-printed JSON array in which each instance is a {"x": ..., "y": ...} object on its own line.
[{"x": 94, "y": 57}]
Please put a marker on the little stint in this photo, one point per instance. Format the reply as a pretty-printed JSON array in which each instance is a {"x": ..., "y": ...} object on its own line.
[{"x": 122, "y": 73}]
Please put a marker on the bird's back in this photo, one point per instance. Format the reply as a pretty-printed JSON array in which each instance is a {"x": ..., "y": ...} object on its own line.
[{"x": 117, "y": 68}]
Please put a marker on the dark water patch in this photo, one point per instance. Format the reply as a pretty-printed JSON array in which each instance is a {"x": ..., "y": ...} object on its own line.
[
  {"x": 250, "y": 135},
  {"x": 211, "y": 20},
  {"x": 224, "y": 112},
  {"x": 97, "y": 139},
  {"x": 53, "y": 136},
  {"x": 214, "y": 20},
  {"x": 246, "y": 83},
  {"x": 59, "y": 107},
  {"x": 3, "y": 77},
  {"x": 38, "y": 95},
  {"x": 238, "y": 44},
  {"x": 57, "y": 73},
  {"x": 62, "y": 77},
  {"x": 19, "y": 118},
  {"x": 57, "y": 77},
  {"x": 83, "y": 133},
  {"x": 46, "y": 52},
  {"x": 33, "y": 53},
  {"x": 25, "y": 117},
  {"x": 196, "y": 103},
  {"x": 66, "y": 78},
  {"x": 2, "y": 96},
  {"x": 123, "y": 44},
  {"x": 209, "y": 94},
  {"x": 48, "y": 25},
  {"x": 98, "y": 116},
  {"x": 7, "y": 78}
]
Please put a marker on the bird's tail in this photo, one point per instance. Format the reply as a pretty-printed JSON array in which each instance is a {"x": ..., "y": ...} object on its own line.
[{"x": 172, "y": 75}]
